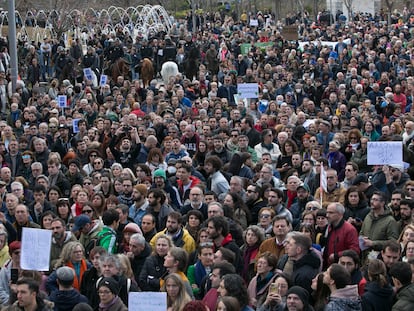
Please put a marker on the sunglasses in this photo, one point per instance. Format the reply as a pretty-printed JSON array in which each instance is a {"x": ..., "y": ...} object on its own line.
[
  {"x": 87, "y": 211},
  {"x": 97, "y": 162},
  {"x": 87, "y": 183}
]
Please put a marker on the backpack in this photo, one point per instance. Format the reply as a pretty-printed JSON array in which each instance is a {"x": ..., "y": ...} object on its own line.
[{"x": 95, "y": 242}]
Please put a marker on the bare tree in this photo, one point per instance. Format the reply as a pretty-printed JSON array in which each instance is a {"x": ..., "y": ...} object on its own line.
[
  {"x": 389, "y": 4},
  {"x": 349, "y": 5}
]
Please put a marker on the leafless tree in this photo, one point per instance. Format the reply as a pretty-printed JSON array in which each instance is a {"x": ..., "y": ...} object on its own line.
[
  {"x": 389, "y": 4},
  {"x": 349, "y": 4}
]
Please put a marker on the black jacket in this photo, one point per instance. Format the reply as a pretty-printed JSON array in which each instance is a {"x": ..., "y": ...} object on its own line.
[
  {"x": 88, "y": 286},
  {"x": 377, "y": 298},
  {"x": 138, "y": 261},
  {"x": 151, "y": 273},
  {"x": 65, "y": 300},
  {"x": 304, "y": 269}
]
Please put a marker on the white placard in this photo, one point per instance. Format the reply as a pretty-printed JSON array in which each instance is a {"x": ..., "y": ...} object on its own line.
[
  {"x": 144, "y": 301},
  {"x": 103, "y": 80},
  {"x": 385, "y": 152},
  {"x": 62, "y": 101},
  {"x": 248, "y": 90},
  {"x": 254, "y": 22},
  {"x": 36, "y": 244},
  {"x": 75, "y": 125},
  {"x": 88, "y": 73}
]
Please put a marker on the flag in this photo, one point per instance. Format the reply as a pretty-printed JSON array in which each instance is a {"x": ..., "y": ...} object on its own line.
[{"x": 323, "y": 183}]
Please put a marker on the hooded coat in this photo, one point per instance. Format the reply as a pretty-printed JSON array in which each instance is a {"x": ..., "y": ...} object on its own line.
[
  {"x": 305, "y": 269},
  {"x": 377, "y": 298},
  {"x": 65, "y": 300},
  {"x": 405, "y": 299},
  {"x": 344, "y": 299}
]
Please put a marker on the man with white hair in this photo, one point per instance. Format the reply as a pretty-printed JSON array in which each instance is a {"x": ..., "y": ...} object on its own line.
[{"x": 408, "y": 133}]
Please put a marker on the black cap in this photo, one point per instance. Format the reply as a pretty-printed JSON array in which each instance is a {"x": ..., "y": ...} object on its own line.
[{"x": 359, "y": 179}]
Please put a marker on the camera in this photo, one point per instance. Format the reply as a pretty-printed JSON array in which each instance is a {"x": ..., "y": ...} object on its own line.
[{"x": 126, "y": 128}]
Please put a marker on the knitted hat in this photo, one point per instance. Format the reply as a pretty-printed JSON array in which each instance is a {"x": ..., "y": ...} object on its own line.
[
  {"x": 111, "y": 284},
  {"x": 160, "y": 173},
  {"x": 142, "y": 189},
  {"x": 13, "y": 246},
  {"x": 132, "y": 227},
  {"x": 301, "y": 293},
  {"x": 65, "y": 274}
]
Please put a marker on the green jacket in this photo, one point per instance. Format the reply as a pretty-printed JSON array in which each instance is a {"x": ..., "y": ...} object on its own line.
[
  {"x": 380, "y": 229},
  {"x": 108, "y": 239},
  {"x": 405, "y": 299}
]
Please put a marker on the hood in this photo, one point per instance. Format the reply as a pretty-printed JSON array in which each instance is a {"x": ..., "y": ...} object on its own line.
[
  {"x": 146, "y": 252},
  {"x": 348, "y": 292},
  {"x": 346, "y": 298},
  {"x": 310, "y": 259},
  {"x": 65, "y": 300},
  {"x": 68, "y": 236},
  {"x": 374, "y": 287}
]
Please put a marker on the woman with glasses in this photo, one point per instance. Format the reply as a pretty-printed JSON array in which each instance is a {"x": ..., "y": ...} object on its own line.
[
  {"x": 89, "y": 167},
  {"x": 253, "y": 237},
  {"x": 265, "y": 217},
  {"x": 108, "y": 290},
  {"x": 72, "y": 255},
  {"x": 265, "y": 265},
  {"x": 98, "y": 165},
  {"x": 197, "y": 273}
]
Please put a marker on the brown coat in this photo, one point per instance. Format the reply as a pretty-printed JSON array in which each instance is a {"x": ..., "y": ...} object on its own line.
[{"x": 337, "y": 195}]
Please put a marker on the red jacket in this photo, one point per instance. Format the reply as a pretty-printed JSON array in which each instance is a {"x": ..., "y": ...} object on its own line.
[
  {"x": 340, "y": 238},
  {"x": 185, "y": 195}
]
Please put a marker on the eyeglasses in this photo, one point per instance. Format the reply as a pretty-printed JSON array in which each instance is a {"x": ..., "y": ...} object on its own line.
[
  {"x": 97, "y": 162},
  {"x": 312, "y": 208},
  {"x": 93, "y": 155},
  {"x": 410, "y": 189},
  {"x": 265, "y": 216},
  {"x": 250, "y": 191},
  {"x": 312, "y": 141},
  {"x": 234, "y": 135},
  {"x": 330, "y": 177},
  {"x": 87, "y": 183},
  {"x": 17, "y": 190},
  {"x": 87, "y": 211}
]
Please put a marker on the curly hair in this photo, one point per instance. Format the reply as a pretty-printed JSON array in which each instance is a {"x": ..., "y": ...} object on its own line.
[
  {"x": 67, "y": 252},
  {"x": 234, "y": 285}
]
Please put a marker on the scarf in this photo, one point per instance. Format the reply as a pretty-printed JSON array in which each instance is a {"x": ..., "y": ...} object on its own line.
[
  {"x": 262, "y": 282},
  {"x": 291, "y": 197},
  {"x": 78, "y": 209},
  {"x": 248, "y": 255},
  {"x": 79, "y": 273},
  {"x": 105, "y": 307}
]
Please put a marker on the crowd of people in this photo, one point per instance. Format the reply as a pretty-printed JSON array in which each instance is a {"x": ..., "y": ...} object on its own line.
[{"x": 185, "y": 188}]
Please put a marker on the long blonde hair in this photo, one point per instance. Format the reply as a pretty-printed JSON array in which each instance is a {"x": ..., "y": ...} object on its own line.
[{"x": 182, "y": 298}]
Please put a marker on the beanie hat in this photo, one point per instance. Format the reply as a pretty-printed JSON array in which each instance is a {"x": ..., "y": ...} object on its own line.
[
  {"x": 132, "y": 227},
  {"x": 160, "y": 173},
  {"x": 65, "y": 274},
  {"x": 112, "y": 285},
  {"x": 142, "y": 189},
  {"x": 302, "y": 294},
  {"x": 15, "y": 245}
]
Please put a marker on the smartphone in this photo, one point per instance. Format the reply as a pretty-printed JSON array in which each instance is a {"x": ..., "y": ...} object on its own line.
[
  {"x": 14, "y": 275},
  {"x": 273, "y": 288}
]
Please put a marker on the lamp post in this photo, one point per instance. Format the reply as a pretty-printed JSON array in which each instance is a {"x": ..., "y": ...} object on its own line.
[{"x": 12, "y": 43}]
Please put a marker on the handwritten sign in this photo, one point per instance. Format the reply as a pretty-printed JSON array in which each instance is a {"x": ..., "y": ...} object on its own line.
[
  {"x": 35, "y": 252},
  {"x": 254, "y": 22},
  {"x": 248, "y": 90},
  {"x": 385, "y": 152},
  {"x": 143, "y": 301},
  {"x": 103, "y": 80},
  {"x": 62, "y": 100}
]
